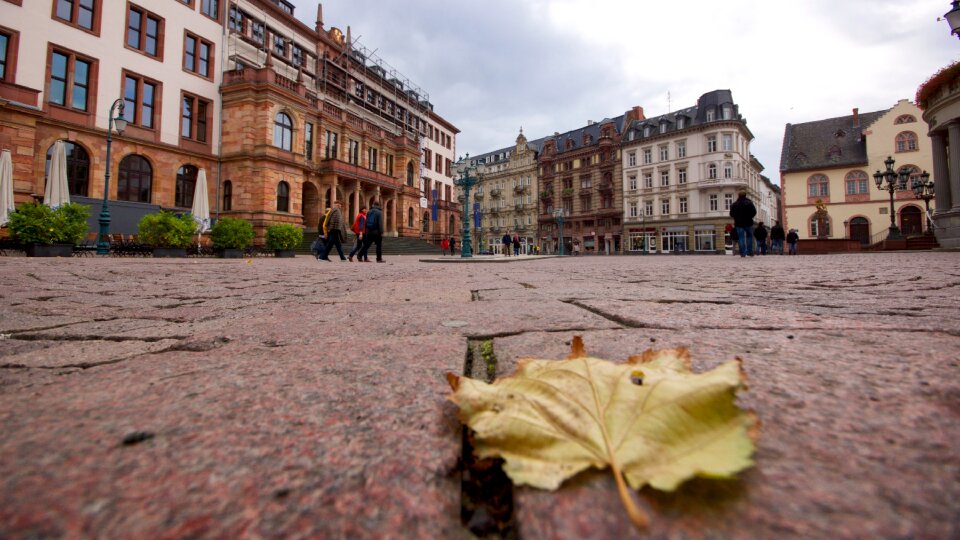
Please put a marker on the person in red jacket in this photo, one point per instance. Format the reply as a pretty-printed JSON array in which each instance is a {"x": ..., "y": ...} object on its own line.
[
  {"x": 444, "y": 246},
  {"x": 359, "y": 223}
]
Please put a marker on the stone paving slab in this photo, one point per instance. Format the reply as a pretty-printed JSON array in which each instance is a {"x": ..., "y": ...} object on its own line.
[{"x": 293, "y": 398}]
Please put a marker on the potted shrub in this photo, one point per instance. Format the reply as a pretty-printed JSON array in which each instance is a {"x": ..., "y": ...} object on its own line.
[
  {"x": 169, "y": 234},
  {"x": 231, "y": 236},
  {"x": 48, "y": 232},
  {"x": 284, "y": 238}
]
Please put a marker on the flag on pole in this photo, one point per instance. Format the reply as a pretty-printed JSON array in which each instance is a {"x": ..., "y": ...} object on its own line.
[{"x": 434, "y": 211}]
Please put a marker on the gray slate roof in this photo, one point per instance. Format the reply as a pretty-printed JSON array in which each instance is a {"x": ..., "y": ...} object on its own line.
[
  {"x": 714, "y": 100},
  {"x": 834, "y": 142}
]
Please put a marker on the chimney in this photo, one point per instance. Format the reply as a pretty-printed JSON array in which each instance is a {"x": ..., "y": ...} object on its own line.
[
  {"x": 638, "y": 113},
  {"x": 319, "y": 26},
  {"x": 856, "y": 117}
]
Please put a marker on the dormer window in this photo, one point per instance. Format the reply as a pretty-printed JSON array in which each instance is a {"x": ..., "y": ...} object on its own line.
[
  {"x": 711, "y": 115},
  {"x": 727, "y": 112},
  {"x": 663, "y": 127},
  {"x": 646, "y": 131},
  {"x": 680, "y": 122}
]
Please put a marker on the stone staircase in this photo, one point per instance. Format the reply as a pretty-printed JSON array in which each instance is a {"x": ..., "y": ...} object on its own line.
[
  {"x": 391, "y": 246},
  {"x": 923, "y": 242}
]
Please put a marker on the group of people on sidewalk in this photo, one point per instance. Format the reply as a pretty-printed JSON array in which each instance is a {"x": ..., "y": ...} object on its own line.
[
  {"x": 367, "y": 226},
  {"x": 448, "y": 245},
  {"x": 746, "y": 235},
  {"x": 511, "y": 242}
]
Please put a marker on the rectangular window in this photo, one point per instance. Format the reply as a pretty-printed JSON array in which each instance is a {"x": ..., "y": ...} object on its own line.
[
  {"x": 69, "y": 80},
  {"x": 632, "y": 182},
  {"x": 427, "y": 158},
  {"x": 648, "y": 180},
  {"x": 633, "y": 209},
  {"x": 585, "y": 182},
  {"x": 144, "y": 31},
  {"x": 210, "y": 8},
  {"x": 682, "y": 176},
  {"x": 712, "y": 143},
  {"x": 727, "y": 201},
  {"x": 584, "y": 203},
  {"x": 727, "y": 142},
  {"x": 4, "y": 62},
  {"x": 683, "y": 205},
  {"x": 139, "y": 100},
  {"x": 714, "y": 203},
  {"x": 280, "y": 46},
  {"x": 197, "y": 55},
  {"x": 372, "y": 158},
  {"x": 330, "y": 146},
  {"x": 308, "y": 141},
  {"x": 681, "y": 149},
  {"x": 79, "y": 13},
  {"x": 648, "y": 208},
  {"x": 439, "y": 163},
  {"x": 257, "y": 32},
  {"x": 665, "y": 207},
  {"x": 353, "y": 154},
  {"x": 389, "y": 170},
  {"x": 193, "y": 118},
  {"x": 297, "y": 55},
  {"x": 647, "y": 156},
  {"x": 235, "y": 19},
  {"x": 664, "y": 178},
  {"x": 664, "y": 153},
  {"x": 632, "y": 159}
]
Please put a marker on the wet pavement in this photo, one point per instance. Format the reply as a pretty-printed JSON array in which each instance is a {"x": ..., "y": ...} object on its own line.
[{"x": 263, "y": 398}]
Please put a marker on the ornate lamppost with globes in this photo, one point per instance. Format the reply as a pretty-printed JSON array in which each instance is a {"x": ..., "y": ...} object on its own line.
[
  {"x": 891, "y": 181},
  {"x": 558, "y": 215},
  {"x": 923, "y": 189},
  {"x": 103, "y": 244},
  {"x": 468, "y": 177}
]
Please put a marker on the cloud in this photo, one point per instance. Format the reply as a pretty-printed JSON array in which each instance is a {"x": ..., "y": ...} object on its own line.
[{"x": 551, "y": 65}]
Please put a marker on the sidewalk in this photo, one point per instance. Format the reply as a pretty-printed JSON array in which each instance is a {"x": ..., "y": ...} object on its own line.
[{"x": 146, "y": 398}]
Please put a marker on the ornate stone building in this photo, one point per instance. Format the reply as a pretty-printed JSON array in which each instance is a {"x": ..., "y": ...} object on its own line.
[
  {"x": 507, "y": 195},
  {"x": 578, "y": 173},
  {"x": 939, "y": 98},
  {"x": 681, "y": 173}
]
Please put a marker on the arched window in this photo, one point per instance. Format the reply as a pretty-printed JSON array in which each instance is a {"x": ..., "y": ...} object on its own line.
[
  {"x": 283, "y": 197},
  {"x": 728, "y": 170},
  {"x": 227, "y": 196},
  {"x": 906, "y": 141},
  {"x": 814, "y": 231},
  {"x": 186, "y": 185},
  {"x": 78, "y": 168},
  {"x": 818, "y": 186},
  {"x": 857, "y": 182},
  {"x": 283, "y": 132},
  {"x": 905, "y": 119},
  {"x": 410, "y": 217},
  {"x": 410, "y": 174},
  {"x": 712, "y": 171},
  {"x": 134, "y": 183}
]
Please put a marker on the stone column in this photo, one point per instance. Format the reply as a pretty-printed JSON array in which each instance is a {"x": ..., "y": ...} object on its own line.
[
  {"x": 396, "y": 214},
  {"x": 333, "y": 190},
  {"x": 954, "y": 165},
  {"x": 357, "y": 199},
  {"x": 941, "y": 174}
]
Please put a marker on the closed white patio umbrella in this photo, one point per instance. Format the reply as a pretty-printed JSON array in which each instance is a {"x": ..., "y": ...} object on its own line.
[
  {"x": 57, "y": 193},
  {"x": 6, "y": 187},
  {"x": 201, "y": 203}
]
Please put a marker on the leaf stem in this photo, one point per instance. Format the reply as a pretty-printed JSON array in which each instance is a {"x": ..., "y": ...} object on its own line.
[{"x": 637, "y": 516}]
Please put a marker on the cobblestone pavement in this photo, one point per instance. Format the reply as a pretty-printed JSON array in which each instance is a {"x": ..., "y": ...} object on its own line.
[{"x": 210, "y": 398}]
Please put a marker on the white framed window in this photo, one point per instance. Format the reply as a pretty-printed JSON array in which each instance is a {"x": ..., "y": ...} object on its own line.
[
  {"x": 728, "y": 170},
  {"x": 682, "y": 176},
  {"x": 704, "y": 240},
  {"x": 632, "y": 182},
  {"x": 683, "y": 205},
  {"x": 632, "y": 159},
  {"x": 664, "y": 178},
  {"x": 647, "y": 156},
  {"x": 711, "y": 115},
  {"x": 664, "y": 152},
  {"x": 712, "y": 143},
  {"x": 681, "y": 122},
  {"x": 712, "y": 171},
  {"x": 681, "y": 149},
  {"x": 633, "y": 209},
  {"x": 727, "y": 201},
  {"x": 663, "y": 127},
  {"x": 648, "y": 208},
  {"x": 648, "y": 180},
  {"x": 727, "y": 142},
  {"x": 714, "y": 202},
  {"x": 665, "y": 207},
  {"x": 727, "y": 112}
]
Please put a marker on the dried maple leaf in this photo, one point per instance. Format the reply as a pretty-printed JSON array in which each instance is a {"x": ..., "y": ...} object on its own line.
[{"x": 650, "y": 420}]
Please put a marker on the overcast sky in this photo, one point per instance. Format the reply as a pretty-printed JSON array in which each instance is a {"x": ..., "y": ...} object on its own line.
[{"x": 492, "y": 66}]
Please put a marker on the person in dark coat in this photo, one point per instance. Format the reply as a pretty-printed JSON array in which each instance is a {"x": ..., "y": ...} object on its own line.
[
  {"x": 743, "y": 211},
  {"x": 792, "y": 239},
  {"x": 777, "y": 236},
  {"x": 760, "y": 233},
  {"x": 507, "y": 242},
  {"x": 336, "y": 232},
  {"x": 373, "y": 233}
]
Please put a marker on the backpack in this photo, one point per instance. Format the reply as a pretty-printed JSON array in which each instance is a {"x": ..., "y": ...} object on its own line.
[{"x": 373, "y": 221}]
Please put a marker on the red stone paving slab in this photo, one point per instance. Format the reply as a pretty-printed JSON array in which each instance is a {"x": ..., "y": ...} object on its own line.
[
  {"x": 60, "y": 354},
  {"x": 848, "y": 449},
  {"x": 299, "y": 442}
]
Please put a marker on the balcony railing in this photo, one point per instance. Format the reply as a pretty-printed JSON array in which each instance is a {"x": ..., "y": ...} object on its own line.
[
  {"x": 519, "y": 189},
  {"x": 518, "y": 207},
  {"x": 495, "y": 192}
]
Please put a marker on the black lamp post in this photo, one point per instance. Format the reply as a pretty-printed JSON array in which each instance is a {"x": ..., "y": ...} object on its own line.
[
  {"x": 953, "y": 18},
  {"x": 469, "y": 177},
  {"x": 103, "y": 245},
  {"x": 558, "y": 215},
  {"x": 923, "y": 189},
  {"x": 890, "y": 181}
]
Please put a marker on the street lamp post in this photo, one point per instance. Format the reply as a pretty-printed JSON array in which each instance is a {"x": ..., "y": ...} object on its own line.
[
  {"x": 923, "y": 189},
  {"x": 890, "y": 181},
  {"x": 953, "y": 18},
  {"x": 103, "y": 244},
  {"x": 469, "y": 177},
  {"x": 558, "y": 215}
]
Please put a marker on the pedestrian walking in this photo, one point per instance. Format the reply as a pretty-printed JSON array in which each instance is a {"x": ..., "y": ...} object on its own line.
[
  {"x": 359, "y": 224},
  {"x": 321, "y": 241},
  {"x": 743, "y": 211},
  {"x": 444, "y": 246},
  {"x": 453, "y": 246},
  {"x": 336, "y": 232},
  {"x": 760, "y": 233},
  {"x": 506, "y": 241},
  {"x": 777, "y": 237},
  {"x": 516, "y": 244},
  {"x": 373, "y": 234},
  {"x": 792, "y": 239}
]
